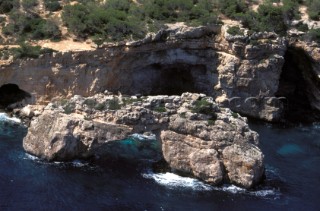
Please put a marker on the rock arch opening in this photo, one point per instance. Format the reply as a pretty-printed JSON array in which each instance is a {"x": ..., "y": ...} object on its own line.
[
  {"x": 297, "y": 83},
  {"x": 11, "y": 93}
]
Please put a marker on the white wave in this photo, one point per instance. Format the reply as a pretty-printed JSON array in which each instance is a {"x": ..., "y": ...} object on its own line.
[
  {"x": 30, "y": 157},
  {"x": 265, "y": 193},
  {"x": 237, "y": 190},
  {"x": 5, "y": 117},
  {"x": 173, "y": 181},
  {"x": 143, "y": 137},
  {"x": 75, "y": 163},
  {"x": 231, "y": 189},
  {"x": 79, "y": 163}
]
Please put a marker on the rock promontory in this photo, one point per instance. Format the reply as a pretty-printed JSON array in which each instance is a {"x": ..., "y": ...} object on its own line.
[{"x": 197, "y": 137}]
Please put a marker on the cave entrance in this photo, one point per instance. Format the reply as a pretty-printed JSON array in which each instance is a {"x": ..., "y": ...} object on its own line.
[
  {"x": 171, "y": 79},
  {"x": 11, "y": 93},
  {"x": 294, "y": 86}
]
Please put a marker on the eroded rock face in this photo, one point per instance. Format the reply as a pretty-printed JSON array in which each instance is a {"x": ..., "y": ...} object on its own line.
[
  {"x": 57, "y": 136},
  {"x": 198, "y": 137},
  {"x": 179, "y": 152},
  {"x": 203, "y": 59},
  {"x": 243, "y": 164}
]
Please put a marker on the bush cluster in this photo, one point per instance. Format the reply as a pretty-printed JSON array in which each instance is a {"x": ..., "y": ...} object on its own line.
[
  {"x": 52, "y": 5},
  {"x": 194, "y": 12},
  {"x": 8, "y": 5},
  {"x": 123, "y": 19},
  {"x": 29, "y": 51},
  {"x": 313, "y": 9},
  {"x": 235, "y": 30},
  {"x": 314, "y": 34},
  {"x": 103, "y": 23},
  {"x": 27, "y": 4},
  {"x": 30, "y": 26},
  {"x": 268, "y": 17}
]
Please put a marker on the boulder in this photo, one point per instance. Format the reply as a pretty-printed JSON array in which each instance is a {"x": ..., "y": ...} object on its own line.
[{"x": 57, "y": 136}]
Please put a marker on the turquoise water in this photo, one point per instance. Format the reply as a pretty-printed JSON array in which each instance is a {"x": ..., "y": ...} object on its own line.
[{"x": 27, "y": 183}]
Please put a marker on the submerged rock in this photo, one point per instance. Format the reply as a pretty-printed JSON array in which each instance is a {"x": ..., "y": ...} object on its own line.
[{"x": 198, "y": 138}]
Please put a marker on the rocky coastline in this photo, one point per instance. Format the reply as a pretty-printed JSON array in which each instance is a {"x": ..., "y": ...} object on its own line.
[
  {"x": 200, "y": 134},
  {"x": 197, "y": 137}
]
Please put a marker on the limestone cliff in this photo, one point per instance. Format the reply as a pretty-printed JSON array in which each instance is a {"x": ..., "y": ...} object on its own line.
[
  {"x": 203, "y": 59},
  {"x": 241, "y": 72}
]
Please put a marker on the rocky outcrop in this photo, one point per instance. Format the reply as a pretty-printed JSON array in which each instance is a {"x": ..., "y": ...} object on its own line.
[
  {"x": 206, "y": 60},
  {"x": 65, "y": 137},
  {"x": 198, "y": 137}
]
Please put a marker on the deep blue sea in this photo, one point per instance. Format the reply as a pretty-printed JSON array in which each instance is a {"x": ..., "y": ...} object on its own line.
[{"x": 292, "y": 156}]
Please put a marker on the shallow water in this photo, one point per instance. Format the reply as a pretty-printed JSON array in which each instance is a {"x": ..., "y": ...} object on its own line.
[{"x": 293, "y": 179}]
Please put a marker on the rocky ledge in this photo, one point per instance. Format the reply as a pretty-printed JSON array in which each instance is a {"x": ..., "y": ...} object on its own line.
[{"x": 197, "y": 137}]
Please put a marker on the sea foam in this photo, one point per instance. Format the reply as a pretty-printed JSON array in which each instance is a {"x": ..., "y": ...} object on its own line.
[
  {"x": 173, "y": 181},
  {"x": 4, "y": 117}
]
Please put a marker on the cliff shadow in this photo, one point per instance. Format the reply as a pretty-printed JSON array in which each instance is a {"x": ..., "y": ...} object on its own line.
[
  {"x": 165, "y": 72},
  {"x": 10, "y": 94},
  {"x": 296, "y": 85},
  {"x": 170, "y": 79}
]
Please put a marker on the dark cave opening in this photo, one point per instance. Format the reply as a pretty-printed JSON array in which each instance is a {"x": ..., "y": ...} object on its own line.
[
  {"x": 171, "y": 79},
  {"x": 11, "y": 93},
  {"x": 294, "y": 86}
]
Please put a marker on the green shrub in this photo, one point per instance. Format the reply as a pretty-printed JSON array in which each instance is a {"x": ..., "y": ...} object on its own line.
[
  {"x": 302, "y": 27},
  {"x": 8, "y": 5},
  {"x": 27, "y": 4},
  {"x": 114, "y": 104},
  {"x": 271, "y": 19},
  {"x": 91, "y": 103},
  {"x": 100, "y": 106},
  {"x": 211, "y": 122},
  {"x": 232, "y": 8},
  {"x": 30, "y": 26},
  {"x": 290, "y": 9},
  {"x": 235, "y": 30},
  {"x": 122, "y": 19},
  {"x": 314, "y": 34},
  {"x": 26, "y": 51},
  {"x": 314, "y": 9},
  {"x": 160, "y": 109},
  {"x": 104, "y": 23},
  {"x": 52, "y": 5},
  {"x": 69, "y": 108},
  {"x": 129, "y": 101},
  {"x": 267, "y": 18},
  {"x": 123, "y": 5},
  {"x": 235, "y": 115},
  {"x": 204, "y": 107}
]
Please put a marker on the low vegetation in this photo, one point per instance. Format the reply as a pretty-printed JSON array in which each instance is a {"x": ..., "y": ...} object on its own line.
[
  {"x": 118, "y": 20},
  {"x": 235, "y": 30},
  {"x": 123, "y": 19},
  {"x": 24, "y": 51},
  {"x": 204, "y": 107},
  {"x": 26, "y": 26},
  {"x": 313, "y": 9},
  {"x": 314, "y": 34},
  {"x": 52, "y": 5}
]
